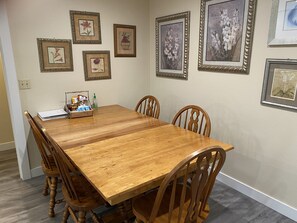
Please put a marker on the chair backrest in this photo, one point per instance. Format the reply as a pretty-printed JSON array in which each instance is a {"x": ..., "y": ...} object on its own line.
[
  {"x": 193, "y": 118},
  {"x": 42, "y": 143},
  {"x": 202, "y": 168},
  {"x": 149, "y": 105},
  {"x": 65, "y": 167}
]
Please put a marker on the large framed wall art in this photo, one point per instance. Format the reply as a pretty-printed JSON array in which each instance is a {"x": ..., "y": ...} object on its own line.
[
  {"x": 226, "y": 35},
  {"x": 172, "y": 45},
  {"x": 283, "y": 23},
  {"x": 280, "y": 83}
]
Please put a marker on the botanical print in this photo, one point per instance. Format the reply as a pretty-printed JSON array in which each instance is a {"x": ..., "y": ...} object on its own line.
[
  {"x": 56, "y": 55},
  {"x": 284, "y": 84},
  {"x": 290, "y": 21},
  {"x": 224, "y": 31},
  {"x": 171, "y": 46},
  {"x": 86, "y": 27},
  {"x": 125, "y": 41},
  {"x": 97, "y": 65}
]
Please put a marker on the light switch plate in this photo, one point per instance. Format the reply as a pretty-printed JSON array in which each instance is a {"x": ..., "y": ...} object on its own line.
[{"x": 24, "y": 84}]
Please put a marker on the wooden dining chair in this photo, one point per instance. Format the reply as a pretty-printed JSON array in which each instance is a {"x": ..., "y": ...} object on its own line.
[
  {"x": 79, "y": 194},
  {"x": 193, "y": 118},
  {"x": 176, "y": 200},
  {"x": 149, "y": 105},
  {"x": 47, "y": 163}
]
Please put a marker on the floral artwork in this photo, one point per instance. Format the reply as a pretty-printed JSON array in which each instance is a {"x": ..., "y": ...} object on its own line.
[
  {"x": 172, "y": 47},
  {"x": 226, "y": 34},
  {"x": 224, "y": 31},
  {"x": 280, "y": 84},
  {"x": 86, "y": 28},
  {"x": 284, "y": 84},
  {"x": 124, "y": 40},
  {"x": 97, "y": 65},
  {"x": 56, "y": 55}
]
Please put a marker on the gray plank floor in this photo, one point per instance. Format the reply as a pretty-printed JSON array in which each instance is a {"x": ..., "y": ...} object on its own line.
[{"x": 22, "y": 201}]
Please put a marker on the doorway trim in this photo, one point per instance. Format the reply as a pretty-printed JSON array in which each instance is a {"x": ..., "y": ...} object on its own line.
[{"x": 13, "y": 95}]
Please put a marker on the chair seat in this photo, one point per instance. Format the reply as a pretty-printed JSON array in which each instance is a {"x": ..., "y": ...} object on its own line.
[
  {"x": 142, "y": 206},
  {"x": 89, "y": 198}
]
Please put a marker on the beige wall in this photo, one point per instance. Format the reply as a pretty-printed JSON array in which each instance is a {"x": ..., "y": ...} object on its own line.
[
  {"x": 31, "y": 19},
  {"x": 264, "y": 137},
  {"x": 6, "y": 135}
]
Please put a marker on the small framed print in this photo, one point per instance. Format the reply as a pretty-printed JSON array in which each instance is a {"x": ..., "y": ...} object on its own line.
[
  {"x": 55, "y": 55},
  {"x": 97, "y": 65},
  {"x": 280, "y": 83},
  {"x": 86, "y": 28},
  {"x": 124, "y": 40}
]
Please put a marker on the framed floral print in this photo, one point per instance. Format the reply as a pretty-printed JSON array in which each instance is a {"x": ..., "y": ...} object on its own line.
[
  {"x": 124, "y": 40},
  {"x": 283, "y": 23},
  {"x": 97, "y": 65},
  {"x": 280, "y": 84},
  {"x": 172, "y": 45},
  {"x": 86, "y": 28},
  {"x": 226, "y": 35},
  {"x": 55, "y": 55}
]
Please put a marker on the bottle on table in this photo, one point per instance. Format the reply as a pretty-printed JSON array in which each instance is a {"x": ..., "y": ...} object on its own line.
[{"x": 94, "y": 102}]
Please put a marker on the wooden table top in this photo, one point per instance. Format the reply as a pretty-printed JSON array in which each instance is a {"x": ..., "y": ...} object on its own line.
[
  {"x": 107, "y": 122},
  {"x": 125, "y": 166}
]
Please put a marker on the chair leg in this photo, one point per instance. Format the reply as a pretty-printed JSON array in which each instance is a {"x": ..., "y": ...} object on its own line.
[
  {"x": 45, "y": 189},
  {"x": 137, "y": 220},
  {"x": 81, "y": 217},
  {"x": 53, "y": 189},
  {"x": 66, "y": 214},
  {"x": 95, "y": 217}
]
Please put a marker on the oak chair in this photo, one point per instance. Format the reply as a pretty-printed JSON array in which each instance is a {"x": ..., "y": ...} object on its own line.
[
  {"x": 47, "y": 163},
  {"x": 176, "y": 200},
  {"x": 193, "y": 118},
  {"x": 149, "y": 105},
  {"x": 79, "y": 194}
]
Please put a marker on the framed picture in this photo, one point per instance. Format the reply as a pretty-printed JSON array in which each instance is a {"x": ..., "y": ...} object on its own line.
[
  {"x": 172, "y": 45},
  {"x": 86, "y": 28},
  {"x": 97, "y": 65},
  {"x": 280, "y": 83},
  {"x": 55, "y": 55},
  {"x": 226, "y": 35},
  {"x": 283, "y": 23},
  {"x": 124, "y": 40}
]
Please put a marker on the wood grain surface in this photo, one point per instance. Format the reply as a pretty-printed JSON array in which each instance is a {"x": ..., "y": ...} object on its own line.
[
  {"x": 107, "y": 122},
  {"x": 123, "y": 167}
]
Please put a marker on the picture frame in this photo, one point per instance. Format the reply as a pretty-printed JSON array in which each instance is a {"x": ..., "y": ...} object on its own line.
[
  {"x": 124, "y": 40},
  {"x": 55, "y": 55},
  {"x": 86, "y": 28},
  {"x": 172, "y": 45},
  {"x": 97, "y": 65},
  {"x": 226, "y": 35},
  {"x": 283, "y": 27},
  {"x": 280, "y": 84}
]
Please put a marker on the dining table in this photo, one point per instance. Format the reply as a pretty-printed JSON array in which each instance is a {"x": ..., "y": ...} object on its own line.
[{"x": 123, "y": 153}]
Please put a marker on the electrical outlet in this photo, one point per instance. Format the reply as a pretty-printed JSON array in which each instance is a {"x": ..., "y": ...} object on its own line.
[{"x": 24, "y": 84}]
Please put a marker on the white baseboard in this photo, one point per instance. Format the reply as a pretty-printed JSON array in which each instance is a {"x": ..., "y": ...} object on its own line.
[
  {"x": 259, "y": 196},
  {"x": 7, "y": 146},
  {"x": 36, "y": 172}
]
